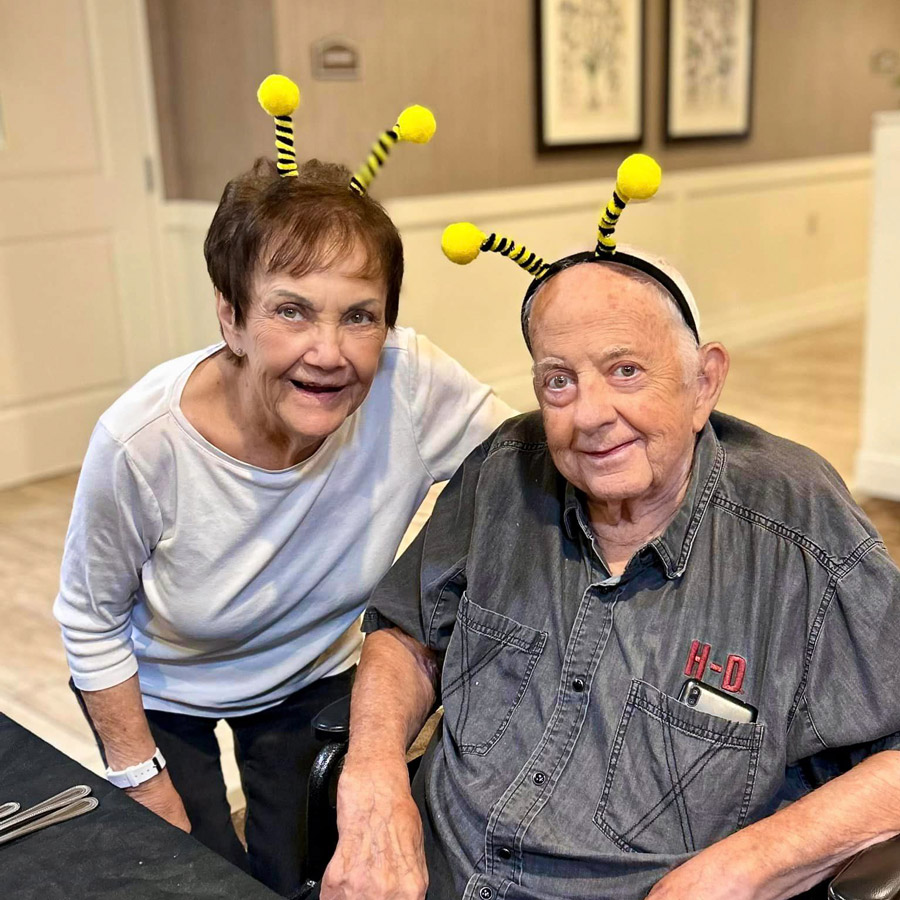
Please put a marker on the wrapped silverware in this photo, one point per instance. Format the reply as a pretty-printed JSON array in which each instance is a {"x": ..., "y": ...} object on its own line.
[
  {"x": 69, "y": 811},
  {"x": 60, "y": 808}
]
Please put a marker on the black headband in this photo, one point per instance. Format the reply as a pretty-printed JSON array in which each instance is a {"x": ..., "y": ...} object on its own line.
[{"x": 623, "y": 259}]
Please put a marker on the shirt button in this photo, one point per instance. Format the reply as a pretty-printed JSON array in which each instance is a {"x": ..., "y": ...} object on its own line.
[
  {"x": 578, "y": 685},
  {"x": 504, "y": 853},
  {"x": 486, "y": 893},
  {"x": 539, "y": 778}
]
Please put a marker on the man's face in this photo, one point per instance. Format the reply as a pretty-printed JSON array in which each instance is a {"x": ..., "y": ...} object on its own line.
[{"x": 619, "y": 409}]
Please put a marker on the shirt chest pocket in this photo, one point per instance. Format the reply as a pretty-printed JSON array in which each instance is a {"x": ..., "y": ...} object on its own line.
[
  {"x": 486, "y": 671},
  {"x": 678, "y": 779}
]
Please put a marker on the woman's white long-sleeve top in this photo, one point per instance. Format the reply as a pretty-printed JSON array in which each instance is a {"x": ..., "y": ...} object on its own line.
[{"x": 226, "y": 586}]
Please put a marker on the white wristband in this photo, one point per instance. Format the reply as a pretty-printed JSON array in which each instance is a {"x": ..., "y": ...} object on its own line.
[{"x": 135, "y": 775}]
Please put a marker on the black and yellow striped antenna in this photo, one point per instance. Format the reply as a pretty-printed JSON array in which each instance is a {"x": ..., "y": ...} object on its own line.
[
  {"x": 463, "y": 241},
  {"x": 415, "y": 124},
  {"x": 637, "y": 178},
  {"x": 279, "y": 97}
]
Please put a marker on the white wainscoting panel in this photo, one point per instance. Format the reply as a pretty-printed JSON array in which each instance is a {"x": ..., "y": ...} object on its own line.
[
  {"x": 188, "y": 287},
  {"x": 878, "y": 460},
  {"x": 75, "y": 296},
  {"x": 769, "y": 250}
]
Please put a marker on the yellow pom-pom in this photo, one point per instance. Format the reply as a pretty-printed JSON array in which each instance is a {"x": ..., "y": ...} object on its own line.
[
  {"x": 462, "y": 242},
  {"x": 638, "y": 177},
  {"x": 278, "y": 95},
  {"x": 416, "y": 124}
]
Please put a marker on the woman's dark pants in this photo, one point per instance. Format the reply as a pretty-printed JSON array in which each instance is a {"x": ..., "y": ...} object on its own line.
[{"x": 275, "y": 750}]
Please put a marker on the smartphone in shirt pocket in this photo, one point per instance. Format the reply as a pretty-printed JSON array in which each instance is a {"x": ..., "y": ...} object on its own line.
[{"x": 705, "y": 698}]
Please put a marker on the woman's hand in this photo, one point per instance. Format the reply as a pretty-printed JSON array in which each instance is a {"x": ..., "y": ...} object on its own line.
[
  {"x": 380, "y": 854},
  {"x": 159, "y": 796},
  {"x": 117, "y": 715}
]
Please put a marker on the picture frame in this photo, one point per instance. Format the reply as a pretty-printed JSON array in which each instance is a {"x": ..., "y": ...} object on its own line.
[
  {"x": 590, "y": 73},
  {"x": 709, "y": 69}
]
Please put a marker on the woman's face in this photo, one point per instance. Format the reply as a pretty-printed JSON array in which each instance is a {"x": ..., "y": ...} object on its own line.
[{"x": 311, "y": 347}]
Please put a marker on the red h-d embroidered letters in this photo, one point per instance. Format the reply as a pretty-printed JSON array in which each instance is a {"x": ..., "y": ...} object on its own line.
[{"x": 734, "y": 670}]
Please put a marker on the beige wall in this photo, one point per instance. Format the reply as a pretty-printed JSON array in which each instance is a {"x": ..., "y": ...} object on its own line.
[
  {"x": 208, "y": 57},
  {"x": 472, "y": 61}
]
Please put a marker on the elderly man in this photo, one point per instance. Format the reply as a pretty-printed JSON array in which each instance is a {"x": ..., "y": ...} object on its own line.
[{"x": 591, "y": 577}]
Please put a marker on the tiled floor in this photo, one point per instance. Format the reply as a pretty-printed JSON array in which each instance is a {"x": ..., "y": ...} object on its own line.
[{"x": 806, "y": 388}]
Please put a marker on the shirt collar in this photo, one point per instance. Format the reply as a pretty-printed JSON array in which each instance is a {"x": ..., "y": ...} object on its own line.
[{"x": 674, "y": 545}]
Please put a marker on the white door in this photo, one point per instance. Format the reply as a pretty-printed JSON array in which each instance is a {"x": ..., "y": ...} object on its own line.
[{"x": 81, "y": 309}]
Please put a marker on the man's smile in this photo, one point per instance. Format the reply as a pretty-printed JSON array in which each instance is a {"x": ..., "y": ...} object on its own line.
[{"x": 610, "y": 452}]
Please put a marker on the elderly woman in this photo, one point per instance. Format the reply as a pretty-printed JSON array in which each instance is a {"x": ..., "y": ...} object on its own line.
[{"x": 237, "y": 506}]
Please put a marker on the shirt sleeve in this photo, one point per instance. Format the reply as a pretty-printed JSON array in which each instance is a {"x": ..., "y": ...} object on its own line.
[
  {"x": 422, "y": 591},
  {"x": 851, "y": 706},
  {"x": 452, "y": 411},
  {"x": 115, "y": 524}
]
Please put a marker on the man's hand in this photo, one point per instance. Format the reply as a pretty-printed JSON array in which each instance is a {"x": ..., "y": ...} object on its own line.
[
  {"x": 159, "y": 796},
  {"x": 381, "y": 853},
  {"x": 712, "y": 875},
  {"x": 799, "y": 846}
]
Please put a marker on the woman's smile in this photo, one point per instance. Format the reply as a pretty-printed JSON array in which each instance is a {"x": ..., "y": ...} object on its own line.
[{"x": 321, "y": 393}]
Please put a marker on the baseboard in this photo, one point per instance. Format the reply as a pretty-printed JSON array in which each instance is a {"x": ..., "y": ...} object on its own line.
[
  {"x": 790, "y": 315},
  {"x": 878, "y": 475}
]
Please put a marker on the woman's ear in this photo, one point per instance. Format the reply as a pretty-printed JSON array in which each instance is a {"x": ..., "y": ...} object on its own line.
[
  {"x": 230, "y": 332},
  {"x": 714, "y": 364}
]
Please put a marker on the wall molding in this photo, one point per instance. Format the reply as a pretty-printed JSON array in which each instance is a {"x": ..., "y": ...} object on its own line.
[{"x": 412, "y": 212}]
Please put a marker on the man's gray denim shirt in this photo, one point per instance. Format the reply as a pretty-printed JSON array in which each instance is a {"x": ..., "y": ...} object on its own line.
[{"x": 565, "y": 766}]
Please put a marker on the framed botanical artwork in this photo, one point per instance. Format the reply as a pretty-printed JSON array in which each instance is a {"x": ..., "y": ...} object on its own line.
[
  {"x": 590, "y": 87},
  {"x": 710, "y": 69}
]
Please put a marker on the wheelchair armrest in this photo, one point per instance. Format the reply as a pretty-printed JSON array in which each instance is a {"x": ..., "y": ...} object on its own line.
[
  {"x": 873, "y": 874},
  {"x": 333, "y": 722},
  {"x": 321, "y": 819},
  {"x": 332, "y": 725}
]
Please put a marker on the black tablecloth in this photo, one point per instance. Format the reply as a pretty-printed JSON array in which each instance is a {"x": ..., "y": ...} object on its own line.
[{"x": 118, "y": 850}]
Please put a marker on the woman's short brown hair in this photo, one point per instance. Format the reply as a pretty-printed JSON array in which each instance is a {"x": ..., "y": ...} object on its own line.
[{"x": 268, "y": 223}]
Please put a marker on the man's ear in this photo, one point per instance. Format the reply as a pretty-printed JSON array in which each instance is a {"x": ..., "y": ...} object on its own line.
[
  {"x": 225, "y": 315},
  {"x": 714, "y": 364}
]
